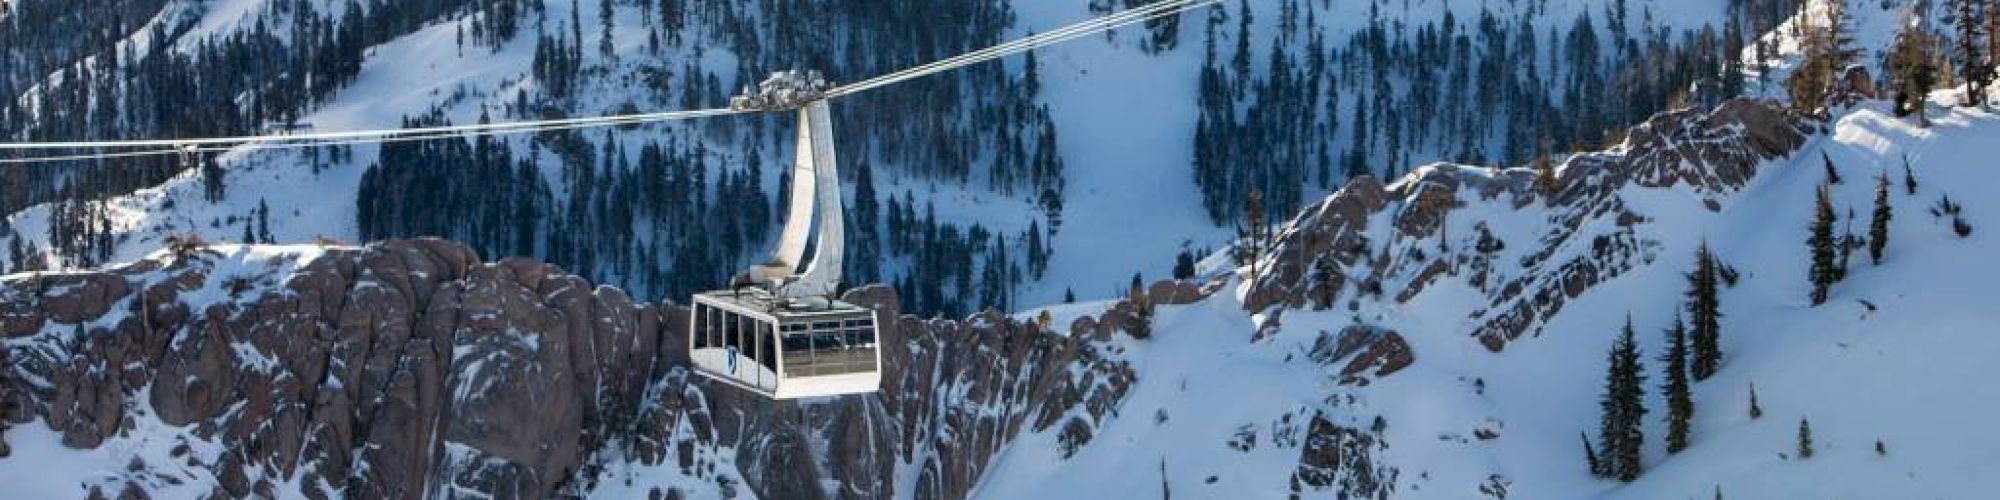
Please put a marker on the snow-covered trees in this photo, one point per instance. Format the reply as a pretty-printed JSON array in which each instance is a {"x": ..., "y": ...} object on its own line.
[
  {"x": 1756, "y": 410},
  {"x": 1705, "y": 311},
  {"x": 1829, "y": 48},
  {"x": 1680, "y": 399},
  {"x": 1184, "y": 265},
  {"x": 1822, "y": 244},
  {"x": 1878, "y": 225},
  {"x": 1496, "y": 86},
  {"x": 1620, "y": 437},
  {"x": 1805, "y": 439},
  {"x": 1975, "y": 66},
  {"x": 1912, "y": 66},
  {"x": 213, "y": 186},
  {"x": 6, "y": 398}
]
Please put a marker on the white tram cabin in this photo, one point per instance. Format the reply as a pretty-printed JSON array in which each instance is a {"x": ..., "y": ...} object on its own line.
[{"x": 784, "y": 348}]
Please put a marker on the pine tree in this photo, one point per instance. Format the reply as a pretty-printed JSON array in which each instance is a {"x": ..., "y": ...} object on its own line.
[
  {"x": 6, "y": 398},
  {"x": 605, "y": 14},
  {"x": 1912, "y": 66},
  {"x": 1974, "y": 67},
  {"x": 1590, "y": 456},
  {"x": 1909, "y": 177},
  {"x": 1546, "y": 180},
  {"x": 1832, "y": 172},
  {"x": 1992, "y": 9},
  {"x": 213, "y": 188},
  {"x": 1807, "y": 85},
  {"x": 264, "y": 223},
  {"x": 1705, "y": 311},
  {"x": 1878, "y": 226},
  {"x": 1184, "y": 265},
  {"x": 1823, "y": 271},
  {"x": 1846, "y": 50},
  {"x": 1846, "y": 244},
  {"x": 1805, "y": 439},
  {"x": 1680, "y": 401},
  {"x": 1142, "y": 311},
  {"x": 1253, "y": 231},
  {"x": 1756, "y": 410},
  {"x": 1624, "y": 409}
]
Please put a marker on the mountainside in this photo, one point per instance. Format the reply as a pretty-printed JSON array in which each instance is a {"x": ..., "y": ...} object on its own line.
[
  {"x": 410, "y": 368},
  {"x": 1417, "y": 253},
  {"x": 1311, "y": 393},
  {"x": 320, "y": 371},
  {"x": 1007, "y": 185}
]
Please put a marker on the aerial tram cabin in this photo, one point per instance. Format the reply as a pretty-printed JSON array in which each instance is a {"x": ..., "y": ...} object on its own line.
[
  {"x": 784, "y": 349},
  {"x": 780, "y": 332}
]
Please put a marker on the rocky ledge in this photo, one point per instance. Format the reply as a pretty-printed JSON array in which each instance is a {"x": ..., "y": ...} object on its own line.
[{"x": 412, "y": 369}]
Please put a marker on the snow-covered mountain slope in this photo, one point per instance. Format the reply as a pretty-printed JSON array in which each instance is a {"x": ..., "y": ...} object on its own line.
[
  {"x": 1123, "y": 118},
  {"x": 1896, "y": 356},
  {"x": 1285, "y": 383}
]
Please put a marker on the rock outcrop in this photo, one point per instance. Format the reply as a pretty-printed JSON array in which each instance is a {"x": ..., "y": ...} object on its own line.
[
  {"x": 1369, "y": 241},
  {"x": 413, "y": 369}
]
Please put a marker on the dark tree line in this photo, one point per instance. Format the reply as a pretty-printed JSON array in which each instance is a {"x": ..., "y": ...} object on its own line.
[
  {"x": 1485, "y": 88},
  {"x": 571, "y": 197},
  {"x": 288, "y": 59}
]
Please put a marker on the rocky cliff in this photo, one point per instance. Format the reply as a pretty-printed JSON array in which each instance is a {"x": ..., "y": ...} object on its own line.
[
  {"x": 1583, "y": 233},
  {"x": 412, "y": 368}
]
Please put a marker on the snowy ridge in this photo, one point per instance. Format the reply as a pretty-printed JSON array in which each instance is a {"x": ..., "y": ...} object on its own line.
[{"x": 1875, "y": 362}]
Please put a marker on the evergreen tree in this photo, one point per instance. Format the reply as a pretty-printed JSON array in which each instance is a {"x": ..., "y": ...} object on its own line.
[
  {"x": 1680, "y": 403},
  {"x": 1184, "y": 265},
  {"x": 1909, "y": 177},
  {"x": 264, "y": 223},
  {"x": 1545, "y": 173},
  {"x": 605, "y": 14},
  {"x": 1992, "y": 9},
  {"x": 1824, "y": 271},
  {"x": 1828, "y": 49},
  {"x": 1620, "y": 438},
  {"x": 1705, "y": 310},
  {"x": 1805, "y": 439},
  {"x": 1590, "y": 456},
  {"x": 211, "y": 180},
  {"x": 1832, "y": 172},
  {"x": 1846, "y": 244},
  {"x": 1878, "y": 226},
  {"x": 1846, "y": 50},
  {"x": 6, "y": 398},
  {"x": 1974, "y": 66},
  {"x": 1912, "y": 66},
  {"x": 1252, "y": 236},
  {"x": 1756, "y": 410},
  {"x": 1142, "y": 311}
]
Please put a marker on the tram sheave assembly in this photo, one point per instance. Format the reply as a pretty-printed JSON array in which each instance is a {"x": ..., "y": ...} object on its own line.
[{"x": 781, "y": 332}]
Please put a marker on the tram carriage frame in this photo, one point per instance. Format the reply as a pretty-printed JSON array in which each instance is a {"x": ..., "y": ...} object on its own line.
[{"x": 784, "y": 348}]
